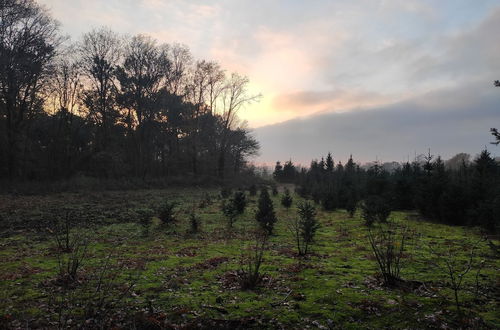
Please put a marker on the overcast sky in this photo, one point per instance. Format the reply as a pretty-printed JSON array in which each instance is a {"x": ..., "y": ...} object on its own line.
[{"x": 377, "y": 78}]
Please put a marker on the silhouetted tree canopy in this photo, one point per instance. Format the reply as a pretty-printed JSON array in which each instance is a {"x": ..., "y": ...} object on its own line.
[{"x": 112, "y": 106}]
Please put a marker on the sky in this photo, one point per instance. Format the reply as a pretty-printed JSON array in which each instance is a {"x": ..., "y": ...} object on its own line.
[{"x": 379, "y": 79}]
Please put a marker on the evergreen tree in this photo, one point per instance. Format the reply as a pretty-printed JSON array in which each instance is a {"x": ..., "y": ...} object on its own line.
[
  {"x": 239, "y": 201},
  {"x": 402, "y": 196},
  {"x": 351, "y": 202},
  {"x": 278, "y": 172},
  {"x": 329, "y": 199},
  {"x": 289, "y": 172},
  {"x": 265, "y": 215},
  {"x": 329, "y": 163},
  {"x": 375, "y": 209},
  {"x": 252, "y": 190},
  {"x": 230, "y": 212},
  {"x": 286, "y": 200},
  {"x": 322, "y": 165},
  {"x": 308, "y": 225}
]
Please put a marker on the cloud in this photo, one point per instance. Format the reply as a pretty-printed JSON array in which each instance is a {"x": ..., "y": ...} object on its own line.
[
  {"x": 447, "y": 121},
  {"x": 310, "y": 102},
  {"x": 468, "y": 53}
]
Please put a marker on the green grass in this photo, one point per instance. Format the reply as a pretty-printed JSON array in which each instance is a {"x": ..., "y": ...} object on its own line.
[{"x": 336, "y": 286}]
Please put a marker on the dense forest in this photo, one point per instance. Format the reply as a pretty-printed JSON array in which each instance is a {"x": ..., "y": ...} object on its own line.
[
  {"x": 458, "y": 191},
  {"x": 111, "y": 106}
]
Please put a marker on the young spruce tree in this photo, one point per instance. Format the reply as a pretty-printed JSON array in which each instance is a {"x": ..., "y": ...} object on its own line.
[
  {"x": 265, "y": 215},
  {"x": 286, "y": 199}
]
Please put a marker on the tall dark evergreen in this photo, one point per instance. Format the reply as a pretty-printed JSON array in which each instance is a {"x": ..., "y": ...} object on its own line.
[
  {"x": 329, "y": 163},
  {"x": 278, "y": 172}
]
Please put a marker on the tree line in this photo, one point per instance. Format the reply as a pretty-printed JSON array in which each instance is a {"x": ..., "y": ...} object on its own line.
[
  {"x": 458, "y": 191},
  {"x": 111, "y": 106}
]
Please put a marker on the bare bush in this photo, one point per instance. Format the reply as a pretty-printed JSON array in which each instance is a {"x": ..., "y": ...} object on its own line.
[
  {"x": 95, "y": 301},
  {"x": 388, "y": 242},
  {"x": 455, "y": 267},
  {"x": 251, "y": 261},
  {"x": 61, "y": 233},
  {"x": 70, "y": 262}
]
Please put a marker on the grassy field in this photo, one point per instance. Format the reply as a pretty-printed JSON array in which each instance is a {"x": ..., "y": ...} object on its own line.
[{"x": 170, "y": 277}]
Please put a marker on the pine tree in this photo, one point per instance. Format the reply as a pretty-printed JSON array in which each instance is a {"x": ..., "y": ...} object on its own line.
[
  {"x": 308, "y": 225},
  {"x": 289, "y": 172},
  {"x": 329, "y": 199},
  {"x": 322, "y": 165},
  {"x": 230, "y": 212},
  {"x": 329, "y": 163},
  {"x": 375, "y": 209},
  {"x": 278, "y": 172},
  {"x": 265, "y": 215},
  {"x": 351, "y": 203},
  {"x": 239, "y": 201},
  {"x": 286, "y": 200}
]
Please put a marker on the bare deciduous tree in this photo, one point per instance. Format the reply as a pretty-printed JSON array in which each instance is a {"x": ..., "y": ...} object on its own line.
[
  {"x": 28, "y": 41},
  {"x": 100, "y": 52}
]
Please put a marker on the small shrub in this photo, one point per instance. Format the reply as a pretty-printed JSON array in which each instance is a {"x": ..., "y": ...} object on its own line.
[
  {"x": 351, "y": 207},
  {"x": 302, "y": 191},
  {"x": 455, "y": 267},
  {"x": 329, "y": 201},
  {"x": 230, "y": 212},
  {"x": 286, "y": 199},
  {"x": 252, "y": 190},
  {"x": 61, "y": 232},
  {"x": 205, "y": 201},
  {"x": 194, "y": 222},
  {"x": 71, "y": 249},
  {"x": 388, "y": 242},
  {"x": 95, "y": 301},
  {"x": 351, "y": 204},
  {"x": 239, "y": 201},
  {"x": 144, "y": 216},
  {"x": 225, "y": 192},
  {"x": 251, "y": 261},
  {"x": 375, "y": 209},
  {"x": 274, "y": 190},
  {"x": 304, "y": 227},
  {"x": 167, "y": 212},
  {"x": 265, "y": 215},
  {"x": 106, "y": 292},
  {"x": 70, "y": 263}
]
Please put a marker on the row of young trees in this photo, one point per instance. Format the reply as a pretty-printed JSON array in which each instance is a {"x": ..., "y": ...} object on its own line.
[
  {"x": 111, "y": 106},
  {"x": 468, "y": 194}
]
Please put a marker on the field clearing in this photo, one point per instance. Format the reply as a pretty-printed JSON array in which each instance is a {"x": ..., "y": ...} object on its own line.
[{"x": 170, "y": 277}]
